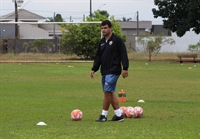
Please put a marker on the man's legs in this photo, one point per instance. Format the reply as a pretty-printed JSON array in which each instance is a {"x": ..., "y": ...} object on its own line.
[
  {"x": 110, "y": 98},
  {"x": 109, "y": 85}
]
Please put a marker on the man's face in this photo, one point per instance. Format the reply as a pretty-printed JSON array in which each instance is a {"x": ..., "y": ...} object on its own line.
[{"x": 105, "y": 30}]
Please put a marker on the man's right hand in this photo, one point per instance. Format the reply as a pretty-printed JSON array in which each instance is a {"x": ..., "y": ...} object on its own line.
[
  {"x": 92, "y": 74},
  {"x": 124, "y": 73}
]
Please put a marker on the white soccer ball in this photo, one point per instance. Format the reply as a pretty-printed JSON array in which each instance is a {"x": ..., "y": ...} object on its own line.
[
  {"x": 131, "y": 112},
  {"x": 123, "y": 110},
  {"x": 76, "y": 115},
  {"x": 139, "y": 111}
]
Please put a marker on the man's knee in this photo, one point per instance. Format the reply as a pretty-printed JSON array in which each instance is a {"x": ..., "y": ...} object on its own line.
[{"x": 107, "y": 93}]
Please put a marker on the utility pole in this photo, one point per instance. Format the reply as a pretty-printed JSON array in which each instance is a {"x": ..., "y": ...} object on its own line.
[
  {"x": 17, "y": 3},
  {"x": 70, "y": 18},
  {"x": 54, "y": 25},
  {"x": 90, "y": 8},
  {"x": 54, "y": 32},
  {"x": 137, "y": 23},
  {"x": 16, "y": 28}
]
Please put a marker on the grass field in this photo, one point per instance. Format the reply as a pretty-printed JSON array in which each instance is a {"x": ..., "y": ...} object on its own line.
[{"x": 48, "y": 92}]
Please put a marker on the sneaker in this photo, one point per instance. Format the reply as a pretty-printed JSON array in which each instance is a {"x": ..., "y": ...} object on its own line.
[
  {"x": 102, "y": 118},
  {"x": 116, "y": 118}
]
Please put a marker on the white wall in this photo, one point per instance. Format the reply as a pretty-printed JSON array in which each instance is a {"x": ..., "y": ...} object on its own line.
[{"x": 182, "y": 43}]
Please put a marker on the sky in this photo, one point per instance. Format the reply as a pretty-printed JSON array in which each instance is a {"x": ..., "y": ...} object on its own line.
[{"x": 78, "y": 8}]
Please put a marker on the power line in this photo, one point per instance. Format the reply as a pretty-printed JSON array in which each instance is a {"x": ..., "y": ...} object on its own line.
[
  {"x": 48, "y": 11},
  {"x": 126, "y": 14},
  {"x": 87, "y": 1}
]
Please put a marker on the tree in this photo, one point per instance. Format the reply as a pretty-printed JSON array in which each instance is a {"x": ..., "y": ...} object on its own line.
[
  {"x": 1, "y": 43},
  {"x": 194, "y": 47},
  {"x": 126, "y": 19},
  {"x": 83, "y": 39},
  {"x": 25, "y": 45},
  {"x": 104, "y": 13},
  {"x": 116, "y": 27},
  {"x": 41, "y": 44},
  {"x": 80, "y": 40},
  {"x": 4, "y": 46},
  {"x": 179, "y": 15},
  {"x": 153, "y": 43},
  {"x": 58, "y": 18}
]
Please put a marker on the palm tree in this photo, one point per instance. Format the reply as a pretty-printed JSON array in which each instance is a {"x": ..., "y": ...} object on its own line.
[
  {"x": 58, "y": 18},
  {"x": 126, "y": 19}
]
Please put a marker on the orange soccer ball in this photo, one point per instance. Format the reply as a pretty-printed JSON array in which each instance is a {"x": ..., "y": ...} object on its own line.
[
  {"x": 76, "y": 115},
  {"x": 123, "y": 110},
  {"x": 139, "y": 111},
  {"x": 131, "y": 112}
]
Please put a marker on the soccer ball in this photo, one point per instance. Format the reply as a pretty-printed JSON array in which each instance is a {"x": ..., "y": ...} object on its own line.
[
  {"x": 76, "y": 115},
  {"x": 123, "y": 110},
  {"x": 131, "y": 112},
  {"x": 139, "y": 111}
]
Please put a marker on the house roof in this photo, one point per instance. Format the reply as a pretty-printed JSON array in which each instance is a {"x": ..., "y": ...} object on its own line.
[{"x": 22, "y": 15}]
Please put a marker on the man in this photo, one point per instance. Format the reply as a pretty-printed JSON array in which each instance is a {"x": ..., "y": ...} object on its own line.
[{"x": 112, "y": 57}]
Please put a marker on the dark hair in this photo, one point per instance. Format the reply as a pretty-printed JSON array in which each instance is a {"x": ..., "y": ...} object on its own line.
[{"x": 106, "y": 22}]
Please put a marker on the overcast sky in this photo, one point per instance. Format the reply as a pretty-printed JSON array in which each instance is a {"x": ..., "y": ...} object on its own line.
[{"x": 77, "y": 8}]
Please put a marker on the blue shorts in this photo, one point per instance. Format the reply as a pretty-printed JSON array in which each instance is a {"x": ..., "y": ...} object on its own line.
[{"x": 109, "y": 82}]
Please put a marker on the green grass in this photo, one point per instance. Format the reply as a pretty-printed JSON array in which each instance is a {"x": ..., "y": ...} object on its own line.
[
  {"x": 63, "y": 57},
  {"x": 31, "y": 93}
]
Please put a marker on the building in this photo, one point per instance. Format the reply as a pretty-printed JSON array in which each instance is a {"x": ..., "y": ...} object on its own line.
[
  {"x": 132, "y": 29},
  {"x": 35, "y": 30},
  {"x": 28, "y": 31}
]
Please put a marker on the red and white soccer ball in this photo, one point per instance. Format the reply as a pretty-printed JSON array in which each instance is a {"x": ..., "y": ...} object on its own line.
[
  {"x": 123, "y": 110},
  {"x": 131, "y": 112},
  {"x": 76, "y": 115},
  {"x": 139, "y": 111}
]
